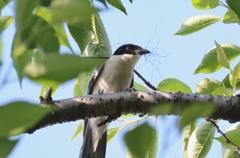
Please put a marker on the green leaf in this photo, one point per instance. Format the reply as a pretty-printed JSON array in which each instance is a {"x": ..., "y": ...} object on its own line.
[
  {"x": 60, "y": 68},
  {"x": 196, "y": 110},
  {"x": 229, "y": 153},
  {"x": 233, "y": 134},
  {"x": 209, "y": 63},
  {"x": 111, "y": 133},
  {"x": 21, "y": 56},
  {"x": 231, "y": 17},
  {"x": 142, "y": 141},
  {"x": 18, "y": 117},
  {"x": 197, "y": 23},
  {"x": 117, "y": 4},
  {"x": 207, "y": 86},
  {"x": 235, "y": 76},
  {"x": 3, "y": 3},
  {"x": 228, "y": 85},
  {"x": 128, "y": 116},
  {"x": 205, "y": 4},
  {"x": 222, "y": 59},
  {"x": 103, "y": 2},
  {"x": 81, "y": 35},
  {"x": 187, "y": 131},
  {"x": 201, "y": 140},
  {"x": 6, "y": 146},
  {"x": 71, "y": 11},
  {"x": 81, "y": 83},
  {"x": 234, "y": 5},
  {"x": 5, "y": 21},
  {"x": 173, "y": 85},
  {"x": 78, "y": 131},
  {"x": 44, "y": 13},
  {"x": 37, "y": 33},
  {"x": 221, "y": 90},
  {"x": 99, "y": 44},
  {"x": 139, "y": 86},
  {"x": 23, "y": 13}
]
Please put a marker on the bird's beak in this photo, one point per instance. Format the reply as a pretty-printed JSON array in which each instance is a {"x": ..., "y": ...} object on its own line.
[{"x": 142, "y": 51}]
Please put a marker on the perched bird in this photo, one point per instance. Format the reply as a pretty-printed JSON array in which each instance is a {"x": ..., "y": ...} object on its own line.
[{"x": 115, "y": 75}]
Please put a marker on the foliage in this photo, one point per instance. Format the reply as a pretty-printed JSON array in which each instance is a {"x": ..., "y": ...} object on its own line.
[{"x": 35, "y": 53}]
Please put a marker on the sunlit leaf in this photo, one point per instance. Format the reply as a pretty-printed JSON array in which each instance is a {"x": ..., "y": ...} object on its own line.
[
  {"x": 99, "y": 44},
  {"x": 117, "y": 4},
  {"x": 222, "y": 59},
  {"x": 221, "y": 90},
  {"x": 18, "y": 117},
  {"x": 139, "y": 86},
  {"x": 228, "y": 85},
  {"x": 111, "y": 133},
  {"x": 78, "y": 131},
  {"x": 6, "y": 146},
  {"x": 209, "y": 63},
  {"x": 205, "y": 4},
  {"x": 142, "y": 141},
  {"x": 233, "y": 134},
  {"x": 128, "y": 116},
  {"x": 231, "y": 17},
  {"x": 4, "y": 22},
  {"x": 201, "y": 140},
  {"x": 234, "y": 5},
  {"x": 173, "y": 85},
  {"x": 207, "y": 86},
  {"x": 64, "y": 67},
  {"x": 197, "y": 23},
  {"x": 187, "y": 131}
]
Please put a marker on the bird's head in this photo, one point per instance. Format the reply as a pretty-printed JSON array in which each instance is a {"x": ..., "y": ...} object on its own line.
[{"x": 130, "y": 52}]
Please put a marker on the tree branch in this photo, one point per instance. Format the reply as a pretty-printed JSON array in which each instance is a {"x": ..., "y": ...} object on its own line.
[{"x": 136, "y": 102}]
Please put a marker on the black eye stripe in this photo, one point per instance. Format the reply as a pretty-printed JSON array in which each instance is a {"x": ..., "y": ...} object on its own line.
[{"x": 127, "y": 49}]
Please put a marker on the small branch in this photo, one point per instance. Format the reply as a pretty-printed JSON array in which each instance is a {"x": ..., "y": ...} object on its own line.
[
  {"x": 145, "y": 81},
  {"x": 222, "y": 4},
  {"x": 224, "y": 135}
]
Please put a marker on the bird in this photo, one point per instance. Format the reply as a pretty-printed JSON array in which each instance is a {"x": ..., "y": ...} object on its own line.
[{"x": 116, "y": 74}]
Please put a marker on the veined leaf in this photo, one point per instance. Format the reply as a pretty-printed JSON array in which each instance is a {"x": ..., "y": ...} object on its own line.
[
  {"x": 209, "y": 63},
  {"x": 197, "y": 23},
  {"x": 228, "y": 85},
  {"x": 234, "y": 76},
  {"x": 117, "y": 4},
  {"x": 233, "y": 134},
  {"x": 6, "y": 146},
  {"x": 142, "y": 141},
  {"x": 201, "y": 140},
  {"x": 234, "y": 5},
  {"x": 227, "y": 153},
  {"x": 205, "y": 4},
  {"x": 222, "y": 59},
  {"x": 99, "y": 45},
  {"x": 231, "y": 17},
  {"x": 64, "y": 67},
  {"x": 17, "y": 117},
  {"x": 173, "y": 85},
  {"x": 187, "y": 131},
  {"x": 4, "y": 22},
  {"x": 78, "y": 131}
]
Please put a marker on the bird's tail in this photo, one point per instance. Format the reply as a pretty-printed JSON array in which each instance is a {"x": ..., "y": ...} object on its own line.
[{"x": 87, "y": 150}]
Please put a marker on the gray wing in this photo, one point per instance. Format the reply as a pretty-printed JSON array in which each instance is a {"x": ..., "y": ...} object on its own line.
[{"x": 93, "y": 79}]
